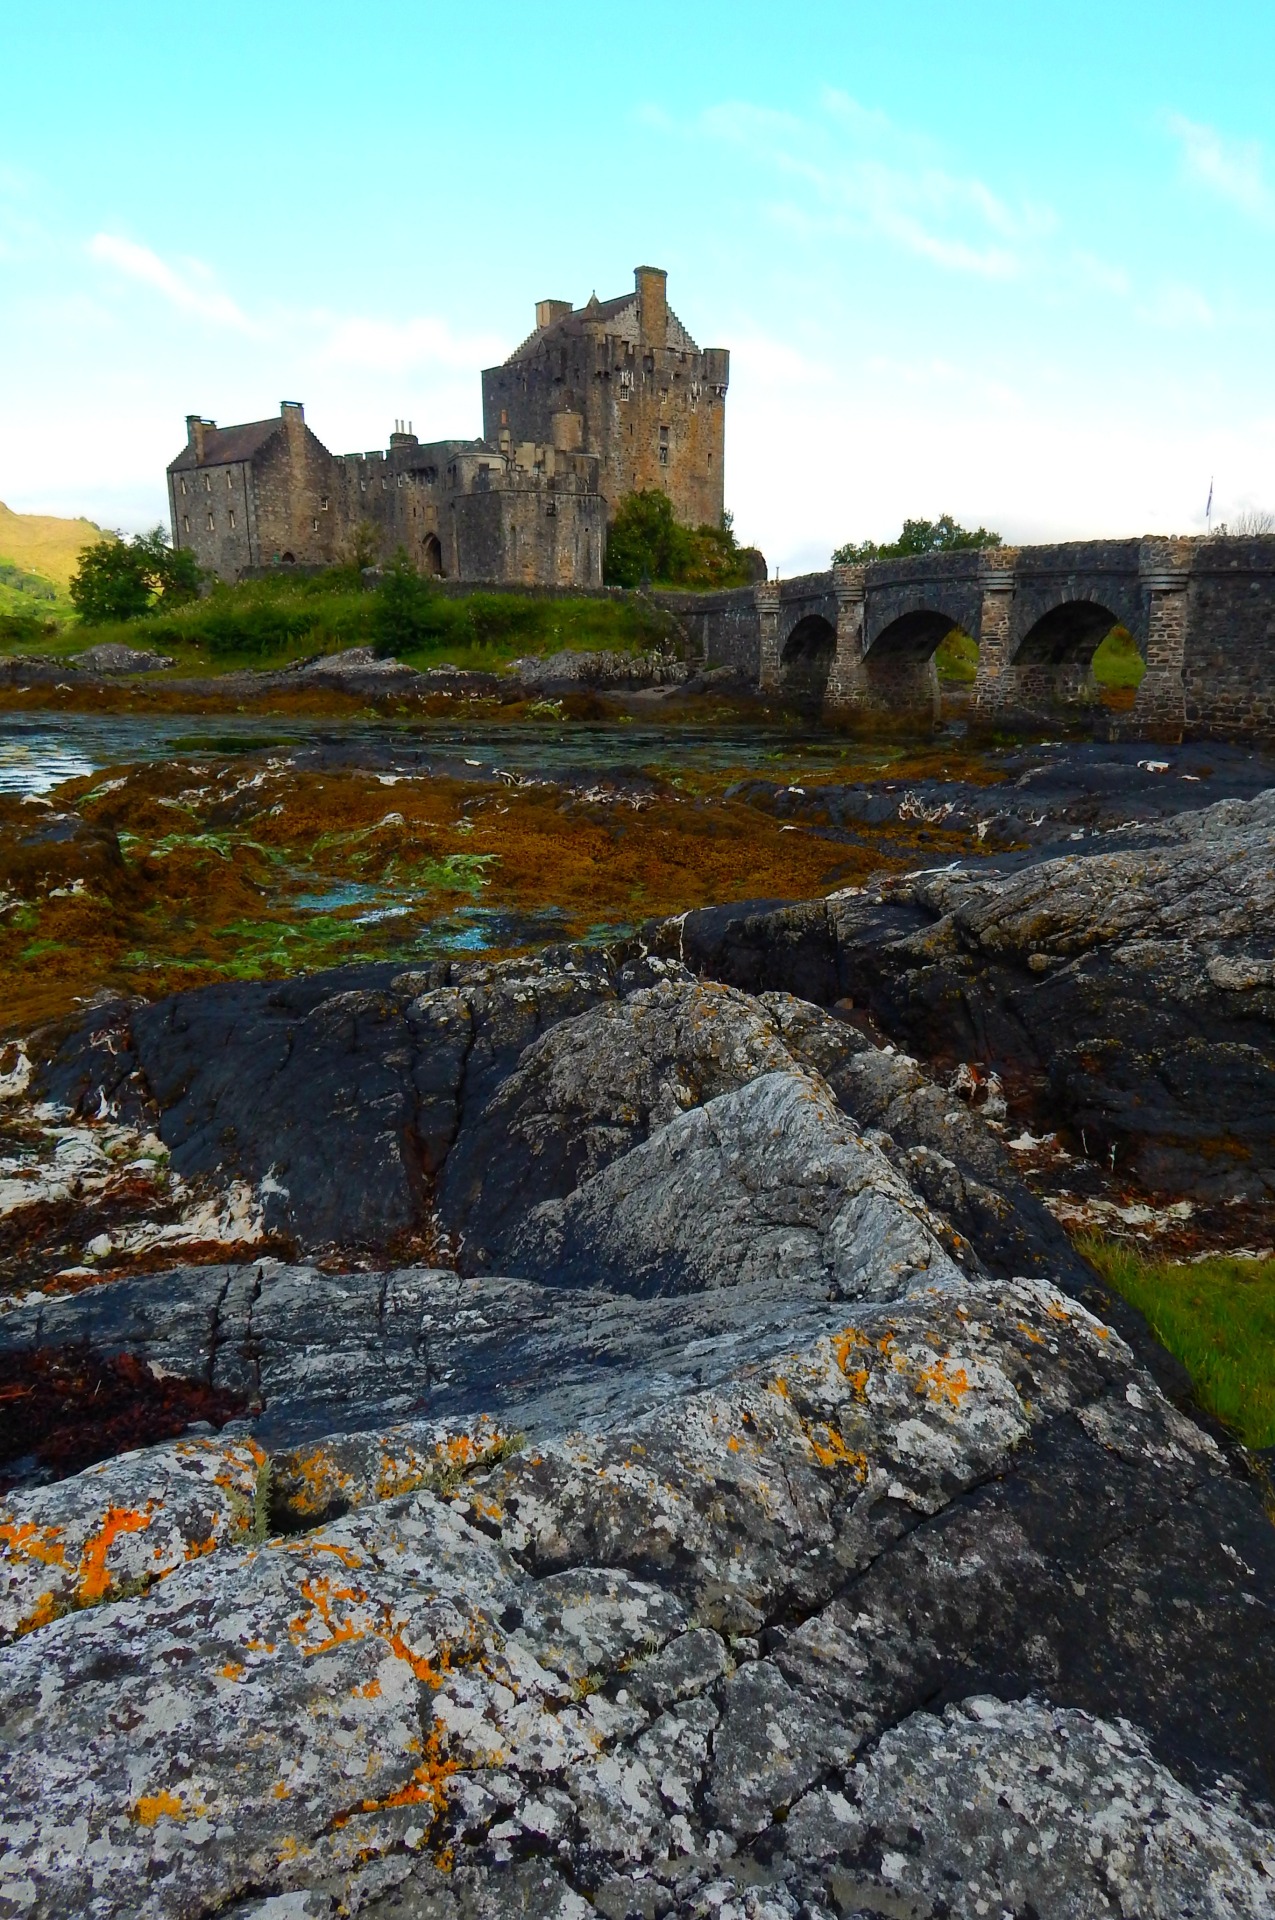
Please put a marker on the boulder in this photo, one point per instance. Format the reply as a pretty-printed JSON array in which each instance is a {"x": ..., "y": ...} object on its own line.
[{"x": 112, "y": 657}]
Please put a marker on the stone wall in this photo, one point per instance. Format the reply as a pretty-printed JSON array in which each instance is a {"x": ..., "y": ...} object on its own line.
[{"x": 628, "y": 383}]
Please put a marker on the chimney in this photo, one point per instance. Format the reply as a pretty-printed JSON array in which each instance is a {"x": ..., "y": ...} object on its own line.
[
  {"x": 652, "y": 291},
  {"x": 293, "y": 414},
  {"x": 195, "y": 430},
  {"x": 550, "y": 311}
]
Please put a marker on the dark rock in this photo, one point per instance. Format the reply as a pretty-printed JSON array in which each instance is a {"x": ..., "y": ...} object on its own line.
[{"x": 1127, "y": 996}]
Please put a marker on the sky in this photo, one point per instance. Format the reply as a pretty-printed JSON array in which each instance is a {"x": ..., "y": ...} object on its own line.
[{"x": 1015, "y": 264}]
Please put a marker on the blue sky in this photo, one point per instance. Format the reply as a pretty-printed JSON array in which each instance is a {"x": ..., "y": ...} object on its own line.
[{"x": 1013, "y": 263}]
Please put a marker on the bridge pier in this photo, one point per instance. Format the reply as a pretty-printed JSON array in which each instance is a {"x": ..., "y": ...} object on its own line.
[
  {"x": 1159, "y": 706},
  {"x": 867, "y": 692},
  {"x": 766, "y": 599},
  {"x": 996, "y": 683}
]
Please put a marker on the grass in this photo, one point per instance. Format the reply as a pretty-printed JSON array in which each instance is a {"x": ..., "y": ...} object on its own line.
[
  {"x": 1117, "y": 663},
  {"x": 1217, "y": 1316},
  {"x": 268, "y": 623},
  {"x": 957, "y": 659}
]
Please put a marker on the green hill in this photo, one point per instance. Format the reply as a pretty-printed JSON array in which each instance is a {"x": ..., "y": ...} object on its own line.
[{"x": 38, "y": 555}]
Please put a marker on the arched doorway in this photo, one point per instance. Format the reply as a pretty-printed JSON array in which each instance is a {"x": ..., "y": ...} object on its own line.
[
  {"x": 806, "y": 661},
  {"x": 432, "y": 556}
]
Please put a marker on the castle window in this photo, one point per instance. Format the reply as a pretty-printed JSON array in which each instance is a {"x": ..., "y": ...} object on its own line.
[
  {"x": 362, "y": 486},
  {"x": 207, "y": 484},
  {"x": 323, "y": 503},
  {"x": 183, "y": 486},
  {"x": 664, "y": 454},
  {"x": 232, "y": 519},
  {"x": 230, "y": 480},
  {"x": 315, "y": 525},
  {"x": 212, "y": 524},
  {"x": 185, "y": 519}
]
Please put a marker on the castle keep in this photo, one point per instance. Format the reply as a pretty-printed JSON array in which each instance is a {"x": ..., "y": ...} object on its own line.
[{"x": 599, "y": 401}]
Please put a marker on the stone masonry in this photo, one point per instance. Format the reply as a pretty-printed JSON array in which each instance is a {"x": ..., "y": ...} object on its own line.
[
  {"x": 598, "y": 402},
  {"x": 858, "y": 643}
]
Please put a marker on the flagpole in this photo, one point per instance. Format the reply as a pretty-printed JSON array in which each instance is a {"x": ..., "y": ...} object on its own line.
[{"x": 1208, "y": 511}]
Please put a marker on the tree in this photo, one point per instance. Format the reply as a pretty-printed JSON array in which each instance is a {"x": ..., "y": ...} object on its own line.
[
  {"x": 647, "y": 543},
  {"x": 119, "y": 579},
  {"x": 402, "y": 612},
  {"x": 943, "y": 535}
]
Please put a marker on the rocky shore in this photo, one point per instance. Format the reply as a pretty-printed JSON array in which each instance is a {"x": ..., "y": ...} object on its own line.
[{"x": 624, "y": 1429}]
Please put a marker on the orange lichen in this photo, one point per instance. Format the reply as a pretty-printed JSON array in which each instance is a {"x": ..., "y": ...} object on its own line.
[
  {"x": 830, "y": 1449},
  {"x": 46, "y": 1609},
  {"x": 941, "y": 1382},
  {"x": 426, "y": 1788},
  {"x": 94, "y": 1581},
  {"x": 156, "y": 1806},
  {"x": 321, "y": 1595},
  {"x": 27, "y": 1541},
  {"x": 231, "y": 1670}
]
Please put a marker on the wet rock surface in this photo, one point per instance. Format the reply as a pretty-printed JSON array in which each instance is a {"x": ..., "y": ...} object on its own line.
[{"x": 743, "y": 1500}]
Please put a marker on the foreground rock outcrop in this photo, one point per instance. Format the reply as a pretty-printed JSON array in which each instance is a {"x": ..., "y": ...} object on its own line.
[{"x": 669, "y": 1463}]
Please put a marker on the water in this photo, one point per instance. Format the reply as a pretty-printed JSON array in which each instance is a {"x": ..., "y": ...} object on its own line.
[{"x": 38, "y": 751}]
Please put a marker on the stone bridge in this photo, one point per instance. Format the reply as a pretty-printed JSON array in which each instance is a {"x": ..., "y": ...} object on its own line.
[{"x": 859, "y": 642}]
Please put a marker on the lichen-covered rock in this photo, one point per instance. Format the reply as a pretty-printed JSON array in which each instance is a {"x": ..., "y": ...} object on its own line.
[
  {"x": 116, "y": 1528},
  {"x": 605, "y": 1662},
  {"x": 1012, "y": 1806}
]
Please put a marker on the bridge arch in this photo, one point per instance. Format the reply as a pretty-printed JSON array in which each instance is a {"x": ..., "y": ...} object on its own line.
[
  {"x": 805, "y": 661},
  {"x": 914, "y": 636},
  {"x": 1070, "y": 633}
]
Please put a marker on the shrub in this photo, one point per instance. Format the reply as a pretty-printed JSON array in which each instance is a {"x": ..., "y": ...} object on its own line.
[
  {"x": 120, "y": 579},
  {"x": 646, "y": 543}
]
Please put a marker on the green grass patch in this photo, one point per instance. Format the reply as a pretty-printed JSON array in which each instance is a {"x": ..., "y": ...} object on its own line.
[
  {"x": 957, "y": 659},
  {"x": 1217, "y": 1316},
  {"x": 1117, "y": 663},
  {"x": 275, "y": 621}
]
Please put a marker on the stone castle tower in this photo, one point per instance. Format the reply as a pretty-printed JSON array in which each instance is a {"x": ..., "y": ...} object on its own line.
[
  {"x": 600, "y": 401},
  {"x": 622, "y": 379}
]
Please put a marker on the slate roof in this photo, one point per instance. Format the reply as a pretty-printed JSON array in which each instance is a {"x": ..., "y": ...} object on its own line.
[{"x": 224, "y": 445}]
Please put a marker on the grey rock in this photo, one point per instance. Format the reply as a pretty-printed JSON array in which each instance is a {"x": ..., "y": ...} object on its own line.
[
  {"x": 112, "y": 656},
  {"x": 567, "y": 670},
  {"x": 526, "y": 1675},
  {"x": 999, "y": 1806},
  {"x": 770, "y": 1179},
  {"x": 589, "y": 1089}
]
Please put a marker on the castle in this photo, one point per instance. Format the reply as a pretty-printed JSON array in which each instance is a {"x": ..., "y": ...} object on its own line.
[{"x": 599, "y": 401}]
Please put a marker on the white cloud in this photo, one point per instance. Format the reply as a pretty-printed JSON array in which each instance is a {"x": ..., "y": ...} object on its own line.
[
  {"x": 1175, "y": 304},
  {"x": 857, "y": 173},
  {"x": 1233, "y": 169},
  {"x": 190, "y": 286},
  {"x": 391, "y": 346}
]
